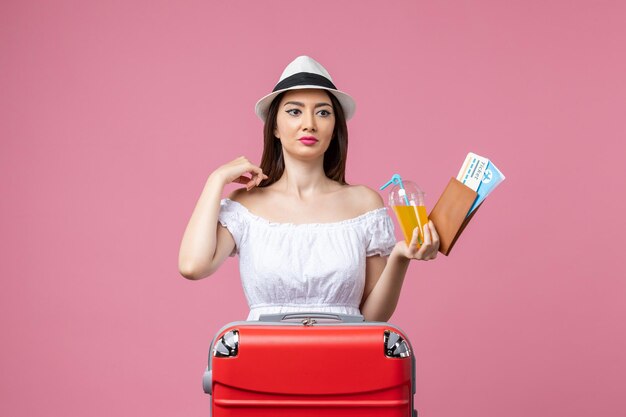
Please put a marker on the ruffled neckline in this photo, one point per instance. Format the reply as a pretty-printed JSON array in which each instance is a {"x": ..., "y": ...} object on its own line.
[{"x": 357, "y": 219}]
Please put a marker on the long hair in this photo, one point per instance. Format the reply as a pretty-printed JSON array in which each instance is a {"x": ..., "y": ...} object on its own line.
[{"x": 273, "y": 163}]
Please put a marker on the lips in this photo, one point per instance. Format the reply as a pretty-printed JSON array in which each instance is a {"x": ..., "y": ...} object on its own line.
[{"x": 308, "y": 140}]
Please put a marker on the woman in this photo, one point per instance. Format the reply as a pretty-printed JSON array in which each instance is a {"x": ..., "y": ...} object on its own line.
[{"x": 307, "y": 240}]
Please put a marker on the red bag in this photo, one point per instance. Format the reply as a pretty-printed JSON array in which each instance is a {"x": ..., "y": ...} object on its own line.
[{"x": 310, "y": 364}]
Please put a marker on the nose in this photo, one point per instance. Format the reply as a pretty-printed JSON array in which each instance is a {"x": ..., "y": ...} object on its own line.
[{"x": 308, "y": 122}]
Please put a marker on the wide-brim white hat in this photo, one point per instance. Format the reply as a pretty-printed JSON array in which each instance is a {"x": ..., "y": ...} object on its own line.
[{"x": 305, "y": 72}]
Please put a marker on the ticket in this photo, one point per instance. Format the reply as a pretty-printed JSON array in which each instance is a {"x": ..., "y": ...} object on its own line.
[
  {"x": 473, "y": 170},
  {"x": 481, "y": 175},
  {"x": 492, "y": 177}
]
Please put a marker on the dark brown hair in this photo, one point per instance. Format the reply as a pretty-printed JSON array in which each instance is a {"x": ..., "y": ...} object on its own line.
[{"x": 272, "y": 162}]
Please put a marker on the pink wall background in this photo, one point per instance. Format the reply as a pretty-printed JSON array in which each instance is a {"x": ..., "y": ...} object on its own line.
[{"x": 113, "y": 114}]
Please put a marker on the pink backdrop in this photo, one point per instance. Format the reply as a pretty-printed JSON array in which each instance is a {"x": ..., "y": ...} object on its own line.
[{"x": 113, "y": 114}]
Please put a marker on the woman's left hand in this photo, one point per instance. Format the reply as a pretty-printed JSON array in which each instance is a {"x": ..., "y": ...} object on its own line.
[{"x": 429, "y": 248}]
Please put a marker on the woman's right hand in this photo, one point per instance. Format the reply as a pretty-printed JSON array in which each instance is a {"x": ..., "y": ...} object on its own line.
[{"x": 234, "y": 172}]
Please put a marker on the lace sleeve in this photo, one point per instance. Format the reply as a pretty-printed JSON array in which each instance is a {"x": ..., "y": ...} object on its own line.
[
  {"x": 231, "y": 217},
  {"x": 380, "y": 234}
]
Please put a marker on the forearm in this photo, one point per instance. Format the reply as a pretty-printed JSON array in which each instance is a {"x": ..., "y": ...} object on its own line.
[
  {"x": 199, "y": 242},
  {"x": 382, "y": 301}
]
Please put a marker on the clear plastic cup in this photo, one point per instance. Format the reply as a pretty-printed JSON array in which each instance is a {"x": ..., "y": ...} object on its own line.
[{"x": 408, "y": 204}]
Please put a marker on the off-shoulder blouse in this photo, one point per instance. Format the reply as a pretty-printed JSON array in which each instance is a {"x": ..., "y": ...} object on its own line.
[{"x": 312, "y": 267}]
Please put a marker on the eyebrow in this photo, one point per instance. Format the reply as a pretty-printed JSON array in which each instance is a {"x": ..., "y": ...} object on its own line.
[{"x": 297, "y": 103}]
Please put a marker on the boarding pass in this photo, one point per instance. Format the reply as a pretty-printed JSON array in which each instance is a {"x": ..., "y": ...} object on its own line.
[{"x": 481, "y": 175}]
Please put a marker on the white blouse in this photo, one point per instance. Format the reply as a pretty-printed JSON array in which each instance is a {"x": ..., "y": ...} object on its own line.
[{"x": 312, "y": 267}]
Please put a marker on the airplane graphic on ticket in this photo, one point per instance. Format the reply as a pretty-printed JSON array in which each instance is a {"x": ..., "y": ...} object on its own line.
[{"x": 481, "y": 175}]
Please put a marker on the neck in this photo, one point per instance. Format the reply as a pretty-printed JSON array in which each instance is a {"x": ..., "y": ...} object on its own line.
[{"x": 303, "y": 179}]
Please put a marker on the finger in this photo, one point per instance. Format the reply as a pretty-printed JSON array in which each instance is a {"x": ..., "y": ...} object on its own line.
[
  {"x": 250, "y": 182},
  {"x": 262, "y": 177},
  {"x": 435, "y": 240},
  {"x": 254, "y": 170},
  {"x": 421, "y": 254},
  {"x": 413, "y": 248},
  {"x": 434, "y": 234},
  {"x": 428, "y": 240},
  {"x": 426, "y": 249},
  {"x": 432, "y": 254},
  {"x": 249, "y": 173},
  {"x": 258, "y": 177}
]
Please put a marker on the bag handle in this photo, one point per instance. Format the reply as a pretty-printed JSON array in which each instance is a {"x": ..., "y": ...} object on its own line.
[{"x": 344, "y": 318}]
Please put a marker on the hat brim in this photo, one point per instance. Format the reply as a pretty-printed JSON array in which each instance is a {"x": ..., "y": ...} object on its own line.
[{"x": 347, "y": 103}]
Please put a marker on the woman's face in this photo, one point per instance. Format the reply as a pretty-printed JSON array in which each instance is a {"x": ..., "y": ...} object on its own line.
[{"x": 305, "y": 122}]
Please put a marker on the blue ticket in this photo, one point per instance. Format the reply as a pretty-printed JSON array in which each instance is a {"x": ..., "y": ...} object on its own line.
[{"x": 491, "y": 178}]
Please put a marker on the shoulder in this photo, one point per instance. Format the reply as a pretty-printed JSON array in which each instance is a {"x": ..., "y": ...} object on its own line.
[
  {"x": 238, "y": 195},
  {"x": 251, "y": 199},
  {"x": 243, "y": 195},
  {"x": 366, "y": 198}
]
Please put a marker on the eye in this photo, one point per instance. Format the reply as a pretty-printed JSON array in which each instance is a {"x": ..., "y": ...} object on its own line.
[
  {"x": 324, "y": 113},
  {"x": 294, "y": 110}
]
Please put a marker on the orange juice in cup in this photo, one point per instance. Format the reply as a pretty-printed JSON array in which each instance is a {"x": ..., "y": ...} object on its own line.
[
  {"x": 407, "y": 201},
  {"x": 409, "y": 218}
]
